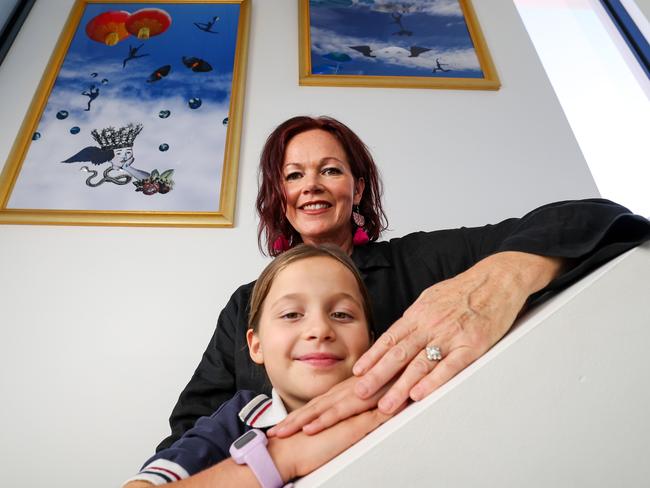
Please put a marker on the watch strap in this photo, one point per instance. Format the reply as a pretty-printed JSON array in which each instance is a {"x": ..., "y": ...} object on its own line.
[{"x": 260, "y": 461}]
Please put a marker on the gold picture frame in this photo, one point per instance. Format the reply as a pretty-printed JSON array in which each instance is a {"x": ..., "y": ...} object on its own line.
[
  {"x": 115, "y": 74},
  {"x": 444, "y": 49}
]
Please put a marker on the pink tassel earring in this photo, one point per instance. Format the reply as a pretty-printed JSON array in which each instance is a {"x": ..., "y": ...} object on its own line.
[
  {"x": 360, "y": 235},
  {"x": 281, "y": 244}
]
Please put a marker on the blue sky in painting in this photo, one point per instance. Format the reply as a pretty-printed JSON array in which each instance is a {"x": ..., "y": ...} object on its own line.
[
  {"x": 195, "y": 137},
  {"x": 390, "y": 29},
  {"x": 183, "y": 38}
]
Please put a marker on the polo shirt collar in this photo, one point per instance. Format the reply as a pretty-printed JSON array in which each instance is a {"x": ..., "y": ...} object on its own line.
[{"x": 262, "y": 412}]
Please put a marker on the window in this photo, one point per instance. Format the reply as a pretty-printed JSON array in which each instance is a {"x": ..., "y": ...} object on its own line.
[{"x": 603, "y": 90}]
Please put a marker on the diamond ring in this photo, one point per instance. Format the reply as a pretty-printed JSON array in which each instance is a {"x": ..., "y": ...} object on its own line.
[{"x": 433, "y": 353}]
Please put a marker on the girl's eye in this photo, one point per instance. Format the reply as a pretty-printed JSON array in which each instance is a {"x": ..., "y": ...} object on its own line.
[
  {"x": 332, "y": 171},
  {"x": 291, "y": 316},
  {"x": 341, "y": 316},
  {"x": 292, "y": 176}
]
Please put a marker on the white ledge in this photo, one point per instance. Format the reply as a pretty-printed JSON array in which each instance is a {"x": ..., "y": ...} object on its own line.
[{"x": 562, "y": 400}]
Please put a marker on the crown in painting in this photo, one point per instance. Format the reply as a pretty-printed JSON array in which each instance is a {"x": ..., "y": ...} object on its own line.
[{"x": 112, "y": 138}]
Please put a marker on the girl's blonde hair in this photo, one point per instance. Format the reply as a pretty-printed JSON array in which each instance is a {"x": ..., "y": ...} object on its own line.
[{"x": 298, "y": 253}]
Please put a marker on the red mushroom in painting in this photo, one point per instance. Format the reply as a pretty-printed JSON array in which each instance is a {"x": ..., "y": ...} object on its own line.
[
  {"x": 108, "y": 27},
  {"x": 148, "y": 22}
]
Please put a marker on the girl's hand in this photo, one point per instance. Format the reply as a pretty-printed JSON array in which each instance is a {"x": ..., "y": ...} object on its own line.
[
  {"x": 300, "y": 454},
  {"x": 337, "y": 404}
]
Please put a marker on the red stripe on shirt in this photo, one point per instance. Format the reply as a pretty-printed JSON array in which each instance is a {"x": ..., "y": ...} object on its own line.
[
  {"x": 165, "y": 470},
  {"x": 264, "y": 409}
]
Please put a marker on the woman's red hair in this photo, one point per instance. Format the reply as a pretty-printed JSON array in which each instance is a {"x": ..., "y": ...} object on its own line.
[{"x": 271, "y": 201}]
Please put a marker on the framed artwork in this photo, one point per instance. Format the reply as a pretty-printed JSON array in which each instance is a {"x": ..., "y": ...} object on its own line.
[
  {"x": 408, "y": 44},
  {"x": 137, "y": 119}
]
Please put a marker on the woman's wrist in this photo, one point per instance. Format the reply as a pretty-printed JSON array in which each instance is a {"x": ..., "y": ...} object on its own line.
[{"x": 526, "y": 272}]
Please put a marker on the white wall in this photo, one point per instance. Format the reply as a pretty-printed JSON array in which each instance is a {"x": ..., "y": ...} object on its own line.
[{"x": 101, "y": 327}]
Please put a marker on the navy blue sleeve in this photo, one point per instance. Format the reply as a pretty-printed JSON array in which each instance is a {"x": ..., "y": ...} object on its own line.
[{"x": 208, "y": 442}]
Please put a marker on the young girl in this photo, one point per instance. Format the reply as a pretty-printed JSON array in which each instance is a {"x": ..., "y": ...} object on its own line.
[{"x": 309, "y": 322}]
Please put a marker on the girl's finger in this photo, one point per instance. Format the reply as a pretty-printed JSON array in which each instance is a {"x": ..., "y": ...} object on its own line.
[
  {"x": 296, "y": 419},
  {"x": 332, "y": 416}
]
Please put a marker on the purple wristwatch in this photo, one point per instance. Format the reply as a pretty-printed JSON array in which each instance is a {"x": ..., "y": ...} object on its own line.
[{"x": 250, "y": 449}]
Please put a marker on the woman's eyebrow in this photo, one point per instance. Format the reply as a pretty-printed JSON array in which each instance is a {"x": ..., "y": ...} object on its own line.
[
  {"x": 328, "y": 158},
  {"x": 320, "y": 163}
]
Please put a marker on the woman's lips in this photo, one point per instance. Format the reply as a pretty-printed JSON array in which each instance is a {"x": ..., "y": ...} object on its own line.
[{"x": 319, "y": 359}]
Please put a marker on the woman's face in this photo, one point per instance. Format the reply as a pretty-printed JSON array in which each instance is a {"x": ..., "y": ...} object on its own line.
[
  {"x": 312, "y": 329},
  {"x": 320, "y": 189}
]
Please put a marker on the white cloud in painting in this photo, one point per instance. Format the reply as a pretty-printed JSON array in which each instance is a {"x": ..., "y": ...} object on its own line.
[
  {"x": 432, "y": 7},
  {"x": 75, "y": 71},
  {"x": 325, "y": 41},
  {"x": 196, "y": 141}
]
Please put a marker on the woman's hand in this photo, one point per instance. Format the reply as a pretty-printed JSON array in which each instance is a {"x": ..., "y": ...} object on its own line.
[
  {"x": 337, "y": 404},
  {"x": 463, "y": 316}
]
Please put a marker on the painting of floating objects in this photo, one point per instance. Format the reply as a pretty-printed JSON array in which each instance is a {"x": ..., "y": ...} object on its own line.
[
  {"x": 382, "y": 43},
  {"x": 137, "y": 119}
]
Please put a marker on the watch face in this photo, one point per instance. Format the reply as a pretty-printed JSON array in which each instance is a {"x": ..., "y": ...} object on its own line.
[{"x": 245, "y": 439}]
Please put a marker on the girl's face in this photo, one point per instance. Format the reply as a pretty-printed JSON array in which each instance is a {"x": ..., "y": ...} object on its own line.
[
  {"x": 312, "y": 329},
  {"x": 320, "y": 188}
]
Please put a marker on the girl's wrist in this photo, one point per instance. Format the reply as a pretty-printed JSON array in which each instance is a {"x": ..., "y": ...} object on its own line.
[{"x": 282, "y": 459}]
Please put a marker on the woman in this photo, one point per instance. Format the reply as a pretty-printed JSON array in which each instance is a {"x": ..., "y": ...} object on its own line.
[{"x": 440, "y": 299}]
